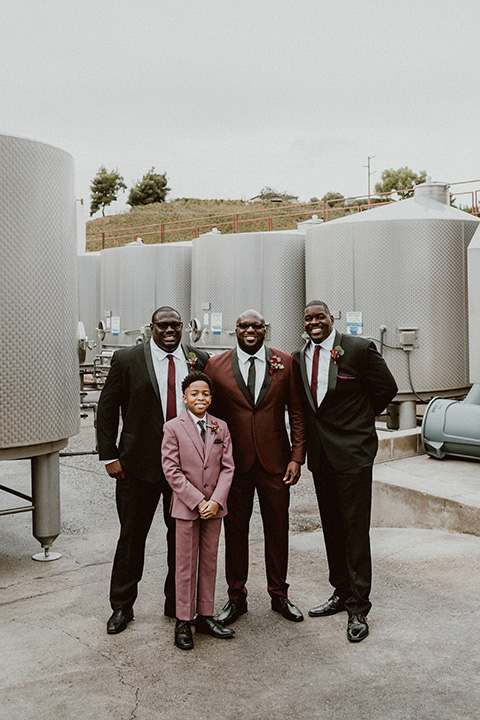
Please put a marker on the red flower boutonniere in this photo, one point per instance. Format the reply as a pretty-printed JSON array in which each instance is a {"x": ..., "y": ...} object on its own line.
[
  {"x": 335, "y": 353},
  {"x": 192, "y": 360},
  {"x": 275, "y": 364},
  {"x": 214, "y": 427}
]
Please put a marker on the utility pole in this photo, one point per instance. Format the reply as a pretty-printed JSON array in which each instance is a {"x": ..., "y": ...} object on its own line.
[{"x": 370, "y": 157}]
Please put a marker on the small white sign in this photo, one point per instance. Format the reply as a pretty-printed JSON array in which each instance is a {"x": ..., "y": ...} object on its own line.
[
  {"x": 217, "y": 323},
  {"x": 206, "y": 319},
  {"x": 354, "y": 323},
  {"x": 115, "y": 325}
]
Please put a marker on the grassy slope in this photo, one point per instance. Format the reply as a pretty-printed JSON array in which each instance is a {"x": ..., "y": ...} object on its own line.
[{"x": 183, "y": 212}]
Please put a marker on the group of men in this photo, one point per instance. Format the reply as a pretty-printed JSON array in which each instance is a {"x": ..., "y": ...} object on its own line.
[{"x": 333, "y": 388}]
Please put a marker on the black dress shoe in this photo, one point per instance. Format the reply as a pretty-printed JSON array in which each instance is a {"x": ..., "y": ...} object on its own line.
[
  {"x": 119, "y": 621},
  {"x": 209, "y": 626},
  {"x": 169, "y": 609},
  {"x": 333, "y": 605},
  {"x": 283, "y": 605},
  {"x": 357, "y": 628},
  {"x": 183, "y": 635},
  {"x": 231, "y": 611}
]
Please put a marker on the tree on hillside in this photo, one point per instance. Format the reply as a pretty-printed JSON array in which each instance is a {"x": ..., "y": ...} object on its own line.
[
  {"x": 105, "y": 187},
  {"x": 152, "y": 188},
  {"x": 329, "y": 196},
  {"x": 268, "y": 193},
  {"x": 399, "y": 181}
]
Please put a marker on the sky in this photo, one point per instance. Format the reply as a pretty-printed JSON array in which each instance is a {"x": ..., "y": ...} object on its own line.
[{"x": 229, "y": 97}]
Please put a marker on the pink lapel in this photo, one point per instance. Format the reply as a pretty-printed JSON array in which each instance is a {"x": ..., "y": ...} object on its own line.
[
  {"x": 210, "y": 436},
  {"x": 193, "y": 433}
]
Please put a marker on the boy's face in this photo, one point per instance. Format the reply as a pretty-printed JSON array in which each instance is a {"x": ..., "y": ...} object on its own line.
[{"x": 198, "y": 398}]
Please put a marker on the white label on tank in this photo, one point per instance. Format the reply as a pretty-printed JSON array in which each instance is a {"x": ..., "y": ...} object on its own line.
[
  {"x": 217, "y": 320},
  {"x": 354, "y": 323},
  {"x": 115, "y": 325},
  {"x": 206, "y": 318}
]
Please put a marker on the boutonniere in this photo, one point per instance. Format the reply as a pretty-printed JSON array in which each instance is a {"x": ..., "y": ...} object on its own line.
[
  {"x": 275, "y": 364},
  {"x": 214, "y": 427},
  {"x": 192, "y": 360},
  {"x": 335, "y": 353}
]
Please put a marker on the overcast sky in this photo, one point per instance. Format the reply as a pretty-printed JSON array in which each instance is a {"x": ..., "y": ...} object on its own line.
[{"x": 228, "y": 97}]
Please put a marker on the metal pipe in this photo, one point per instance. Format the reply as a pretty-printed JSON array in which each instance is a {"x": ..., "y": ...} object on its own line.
[{"x": 16, "y": 492}]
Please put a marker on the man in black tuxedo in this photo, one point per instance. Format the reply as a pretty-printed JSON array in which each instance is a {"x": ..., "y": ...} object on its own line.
[
  {"x": 144, "y": 383},
  {"x": 346, "y": 383}
]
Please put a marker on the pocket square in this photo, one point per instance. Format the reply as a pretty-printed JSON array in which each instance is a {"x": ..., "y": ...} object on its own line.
[
  {"x": 218, "y": 440},
  {"x": 346, "y": 377}
]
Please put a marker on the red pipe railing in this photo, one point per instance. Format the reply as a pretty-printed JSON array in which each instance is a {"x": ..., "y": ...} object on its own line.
[{"x": 326, "y": 210}]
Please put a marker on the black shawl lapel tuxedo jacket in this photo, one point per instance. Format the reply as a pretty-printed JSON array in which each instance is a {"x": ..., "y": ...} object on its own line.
[
  {"x": 360, "y": 386},
  {"x": 131, "y": 388}
]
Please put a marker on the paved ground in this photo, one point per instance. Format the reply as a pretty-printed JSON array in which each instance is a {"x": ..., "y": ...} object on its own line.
[{"x": 420, "y": 662}]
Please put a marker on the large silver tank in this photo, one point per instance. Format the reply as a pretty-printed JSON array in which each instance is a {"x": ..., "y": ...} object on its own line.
[
  {"x": 232, "y": 273},
  {"x": 474, "y": 306},
  {"x": 135, "y": 280},
  {"x": 89, "y": 312},
  {"x": 38, "y": 298},
  {"x": 402, "y": 266},
  {"x": 39, "y": 385}
]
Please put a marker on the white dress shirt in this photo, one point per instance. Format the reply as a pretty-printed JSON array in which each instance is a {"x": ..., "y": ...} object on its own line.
[
  {"x": 260, "y": 367},
  {"x": 160, "y": 365},
  {"x": 196, "y": 421},
  {"x": 323, "y": 365}
]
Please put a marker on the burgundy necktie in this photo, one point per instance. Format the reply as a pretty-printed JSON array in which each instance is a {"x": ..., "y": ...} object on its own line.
[
  {"x": 314, "y": 382},
  {"x": 171, "y": 390}
]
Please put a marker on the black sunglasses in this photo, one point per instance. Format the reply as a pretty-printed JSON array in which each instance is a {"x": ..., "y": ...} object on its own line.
[
  {"x": 165, "y": 325},
  {"x": 254, "y": 325}
]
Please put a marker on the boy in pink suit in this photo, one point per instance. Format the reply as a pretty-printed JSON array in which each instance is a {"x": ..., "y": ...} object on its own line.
[{"x": 197, "y": 460}]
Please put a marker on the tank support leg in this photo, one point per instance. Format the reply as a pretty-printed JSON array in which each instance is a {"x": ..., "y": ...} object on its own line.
[
  {"x": 408, "y": 414},
  {"x": 46, "y": 502}
]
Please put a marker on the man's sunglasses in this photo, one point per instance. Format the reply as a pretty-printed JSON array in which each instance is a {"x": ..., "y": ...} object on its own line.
[
  {"x": 254, "y": 325},
  {"x": 165, "y": 325}
]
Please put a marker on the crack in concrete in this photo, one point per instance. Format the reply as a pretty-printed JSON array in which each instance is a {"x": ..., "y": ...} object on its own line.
[{"x": 107, "y": 656}]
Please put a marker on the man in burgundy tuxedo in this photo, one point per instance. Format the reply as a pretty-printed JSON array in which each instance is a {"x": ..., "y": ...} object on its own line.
[
  {"x": 345, "y": 384},
  {"x": 252, "y": 386},
  {"x": 145, "y": 385}
]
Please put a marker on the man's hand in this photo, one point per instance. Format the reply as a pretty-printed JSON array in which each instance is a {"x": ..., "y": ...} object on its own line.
[
  {"x": 292, "y": 473},
  {"x": 115, "y": 470},
  {"x": 208, "y": 509}
]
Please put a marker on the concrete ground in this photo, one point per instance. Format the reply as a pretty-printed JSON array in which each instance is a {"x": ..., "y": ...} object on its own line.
[{"x": 421, "y": 660}]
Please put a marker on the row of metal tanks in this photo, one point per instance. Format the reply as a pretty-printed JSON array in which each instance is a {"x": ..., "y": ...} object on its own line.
[{"x": 397, "y": 274}]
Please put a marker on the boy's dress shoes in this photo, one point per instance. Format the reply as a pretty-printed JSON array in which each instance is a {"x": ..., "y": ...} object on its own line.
[
  {"x": 357, "y": 628},
  {"x": 183, "y": 635},
  {"x": 209, "y": 626},
  {"x": 286, "y": 608},
  {"x": 333, "y": 605},
  {"x": 231, "y": 611},
  {"x": 119, "y": 621}
]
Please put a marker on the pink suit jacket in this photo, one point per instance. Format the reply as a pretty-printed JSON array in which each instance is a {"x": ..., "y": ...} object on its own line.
[{"x": 196, "y": 470}]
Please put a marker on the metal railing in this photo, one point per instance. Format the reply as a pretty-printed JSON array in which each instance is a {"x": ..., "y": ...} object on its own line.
[{"x": 283, "y": 217}]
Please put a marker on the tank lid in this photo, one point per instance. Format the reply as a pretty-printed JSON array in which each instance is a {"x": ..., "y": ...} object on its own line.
[{"x": 433, "y": 189}]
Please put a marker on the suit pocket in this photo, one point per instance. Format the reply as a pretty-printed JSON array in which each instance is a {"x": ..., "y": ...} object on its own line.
[
  {"x": 346, "y": 377},
  {"x": 217, "y": 441}
]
